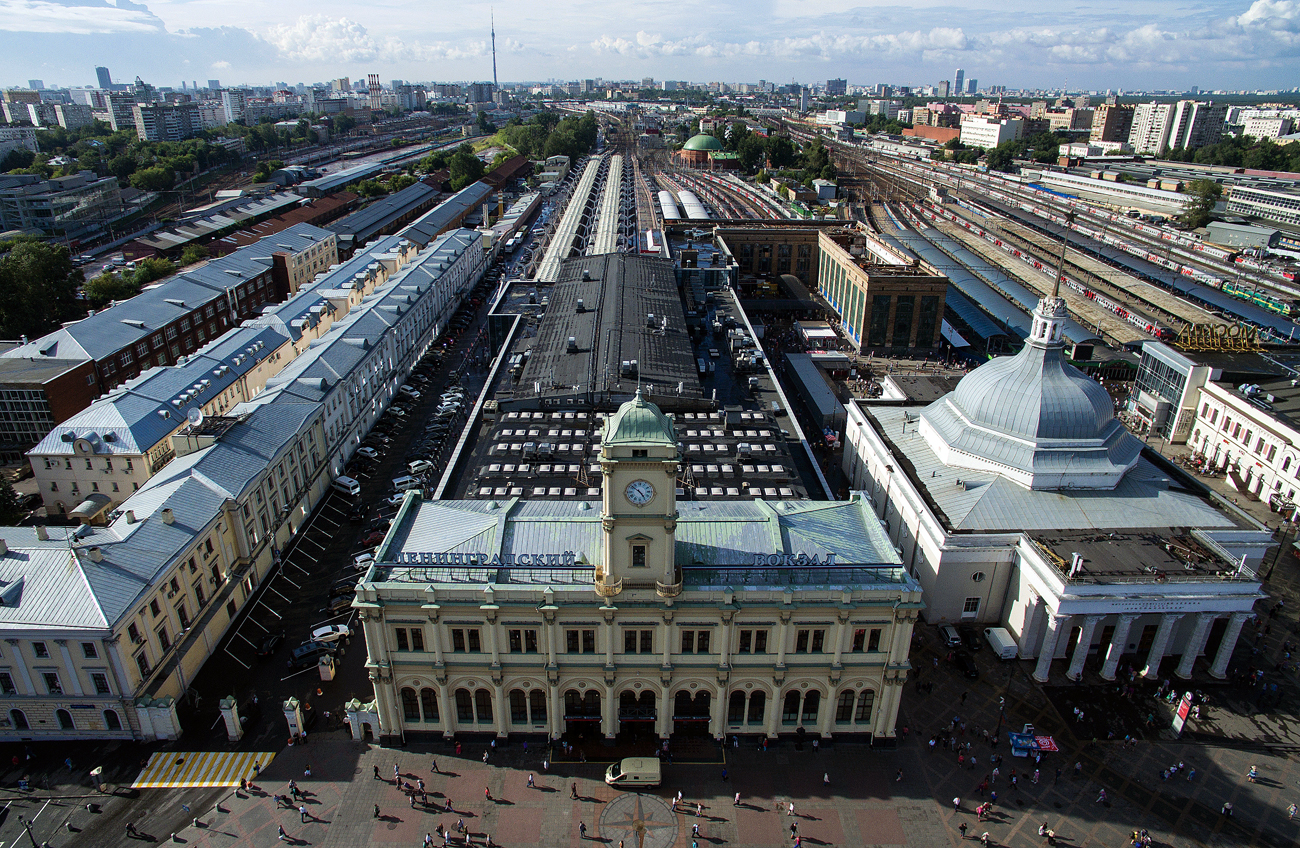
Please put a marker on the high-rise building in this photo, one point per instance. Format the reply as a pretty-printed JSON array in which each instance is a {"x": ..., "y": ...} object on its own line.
[
  {"x": 972, "y": 85},
  {"x": 233, "y": 102},
  {"x": 158, "y": 122},
  {"x": 836, "y": 87},
  {"x": 213, "y": 85},
  {"x": 1111, "y": 123},
  {"x": 958, "y": 82},
  {"x": 105, "y": 81},
  {"x": 36, "y": 85},
  {"x": 941, "y": 90},
  {"x": 373, "y": 90},
  {"x": 1196, "y": 123},
  {"x": 1151, "y": 124}
]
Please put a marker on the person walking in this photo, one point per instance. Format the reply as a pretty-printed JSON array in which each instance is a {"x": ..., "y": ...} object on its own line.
[
  {"x": 531, "y": 785},
  {"x": 736, "y": 803},
  {"x": 396, "y": 773},
  {"x": 984, "y": 839},
  {"x": 1290, "y": 813},
  {"x": 898, "y": 778},
  {"x": 487, "y": 793},
  {"x": 1101, "y": 797},
  {"x": 699, "y": 810},
  {"x": 1252, "y": 774},
  {"x": 790, "y": 811},
  {"x": 695, "y": 830},
  {"x": 962, "y": 829},
  {"x": 826, "y": 779},
  {"x": 282, "y": 835},
  {"x": 956, "y": 804},
  {"x": 376, "y": 811},
  {"x": 582, "y": 830},
  {"x": 131, "y": 832},
  {"x": 573, "y": 791},
  {"x": 302, "y": 813},
  {"x": 435, "y": 766},
  {"x": 376, "y": 768}
]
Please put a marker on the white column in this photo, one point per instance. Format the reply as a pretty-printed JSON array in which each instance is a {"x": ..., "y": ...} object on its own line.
[
  {"x": 501, "y": 711},
  {"x": 555, "y": 714},
  {"x": 1051, "y": 634},
  {"x": 1157, "y": 653},
  {"x": 1029, "y": 634},
  {"x": 1196, "y": 644},
  {"x": 74, "y": 681},
  {"x": 1219, "y": 669},
  {"x": 1080, "y": 655},
  {"x": 663, "y": 715},
  {"x": 608, "y": 713},
  {"x": 1118, "y": 641}
]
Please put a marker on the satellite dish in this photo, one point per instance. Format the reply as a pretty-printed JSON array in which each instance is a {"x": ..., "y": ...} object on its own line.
[{"x": 195, "y": 416}]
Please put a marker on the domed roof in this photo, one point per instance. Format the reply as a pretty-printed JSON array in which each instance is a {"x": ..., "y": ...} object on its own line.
[
  {"x": 1033, "y": 418},
  {"x": 639, "y": 422},
  {"x": 703, "y": 141}
]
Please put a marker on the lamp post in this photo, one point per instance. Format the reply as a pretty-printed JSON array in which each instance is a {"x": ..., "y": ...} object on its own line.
[
  {"x": 27, "y": 827},
  {"x": 1287, "y": 527}
]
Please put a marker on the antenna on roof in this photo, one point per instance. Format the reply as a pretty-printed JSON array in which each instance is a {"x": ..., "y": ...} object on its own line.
[{"x": 1060, "y": 262}]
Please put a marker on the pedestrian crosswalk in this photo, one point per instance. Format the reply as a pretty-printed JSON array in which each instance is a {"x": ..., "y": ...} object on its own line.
[{"x": 199, "y": 769}]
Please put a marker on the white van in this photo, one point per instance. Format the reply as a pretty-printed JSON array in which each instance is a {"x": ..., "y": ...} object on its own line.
[
  {"x": 347, "y": 486},
  {"x": 406, "y": 482},
  {"x": 1002, "y": 643},
  {"x": 633, "y": 773},
  {"x": 419, "y": 466}
]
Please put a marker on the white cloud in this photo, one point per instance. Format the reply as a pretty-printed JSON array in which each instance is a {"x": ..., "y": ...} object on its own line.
[{"x": 99, "y": 18}]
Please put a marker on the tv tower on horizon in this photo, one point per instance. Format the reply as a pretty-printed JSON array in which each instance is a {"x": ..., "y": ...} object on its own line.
[{"x": 493, "y": 24}]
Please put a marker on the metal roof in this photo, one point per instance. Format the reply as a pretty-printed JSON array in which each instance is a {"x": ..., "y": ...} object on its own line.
[
  {"x": 988, "y": 502},
  {"x": 612, "y": 328},
  {"x": 446, "y": 214},
  {"x": 365, "y": 222}
]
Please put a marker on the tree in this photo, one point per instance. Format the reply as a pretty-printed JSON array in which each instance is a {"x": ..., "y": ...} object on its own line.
[
  {"x": 750, "y": 150},
  {"x": 156, "y": 178},
  {"x": 1000, "y": 158},
  {"x": 10, "y": 512},
  {"x": 194, "y": 253},
  {"x": 484, "y": 125},
  {"x": 780, "y": 151},
  {"x": 465, "y": 167},
  {"x": 1201, "y": 197},
  {"x": 108, "y": 287},
  {"x": 40, "y": 288},
  {"x": 152, "y": 269}
]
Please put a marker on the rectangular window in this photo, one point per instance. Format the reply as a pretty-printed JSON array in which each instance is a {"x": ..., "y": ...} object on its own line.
[
  {"x": 859, "y": 640},
  {"x": 878, "y": 332},
  {"x": 971, "y": 607},
  {"x": 638, "y": 641},
  {"x": 589, "y": 641},
  {"x": 52, "y": 684},
  {"x": 638, "y": 556},
  {"x": 154, "y": 608},
  {"x": 163, "y": 638},
  {"x": 580, "y": 641},
  {"x": 809, "y": 641},
  {"x": 465, "y": 641},
  {"x": 903, "y": 306},
  {"x": 100, "y": 681},
  {"x": 523, "y": 641},
  {"x": 7, "y": 684},
  {"x": 746, "y": 641},
  {"x": 647, "y": 641},
  {"x": 403, "y": 644},
  {"x": 133, "y": 632},
  {"x": 873, "y": 639},
  {"x": 695, "y": 641},
  {"x": 417, "y": 639},
  {"x": 142, "y": 663},
  {"x": 41, "y": 652}
]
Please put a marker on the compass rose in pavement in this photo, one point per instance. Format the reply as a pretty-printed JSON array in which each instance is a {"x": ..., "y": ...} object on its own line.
[{"x": 643, "y": 821}]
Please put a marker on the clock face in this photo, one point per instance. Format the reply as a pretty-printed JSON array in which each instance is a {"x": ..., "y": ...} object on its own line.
[{"x": 639, "y": 492}]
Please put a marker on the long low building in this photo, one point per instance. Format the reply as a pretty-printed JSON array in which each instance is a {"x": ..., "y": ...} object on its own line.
[{"x": 106, "y": 625}]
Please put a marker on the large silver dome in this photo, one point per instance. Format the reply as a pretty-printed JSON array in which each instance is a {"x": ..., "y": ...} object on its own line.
[{"x": 1033, "y": 418}]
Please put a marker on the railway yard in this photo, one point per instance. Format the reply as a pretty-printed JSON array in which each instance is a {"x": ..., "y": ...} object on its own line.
[{"x": 999, "y": 240}]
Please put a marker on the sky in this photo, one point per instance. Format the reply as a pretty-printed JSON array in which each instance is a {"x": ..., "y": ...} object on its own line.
[{"x": 1101, "y": 44}]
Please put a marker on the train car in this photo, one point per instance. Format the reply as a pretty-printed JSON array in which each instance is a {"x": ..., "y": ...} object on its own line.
[
  {"x": 692, "y": 206},
  {"x": 652, "y": 243}
]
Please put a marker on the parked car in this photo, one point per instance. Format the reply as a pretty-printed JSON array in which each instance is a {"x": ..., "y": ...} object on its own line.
[
  {"x": 368, "y": 453},
  {"x": 270, "y": 642},
  {"x": 949, "y": 635},
  {"x": 345, "y": 587},
  {"x": 362, "y": 562},
  {"x": 309, "y": 652},
  {"x": 339, "y": 605},
  {"x": 395, "y": 500},
  {"x": 331, "y": 633},
  {"x": 970, "y": 637},
  {"x": 963, "y": 661},
  {"x": 373, "y": 538}
]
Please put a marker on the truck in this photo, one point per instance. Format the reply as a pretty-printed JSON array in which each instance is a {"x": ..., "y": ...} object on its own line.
[
  {"x": 1001, "y": 642},
  {"x": 633, "y": 773}
]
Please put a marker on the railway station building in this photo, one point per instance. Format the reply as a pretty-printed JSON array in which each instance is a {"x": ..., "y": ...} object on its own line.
[
  {"x": 1018, "y": 500},
  {"x": 635, "y": 615}
]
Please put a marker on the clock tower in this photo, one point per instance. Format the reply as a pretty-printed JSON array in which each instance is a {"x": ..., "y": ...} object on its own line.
[{"x": 639, "y": 461}]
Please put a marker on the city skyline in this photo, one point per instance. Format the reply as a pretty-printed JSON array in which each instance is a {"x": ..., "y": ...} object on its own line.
[{"x": 1232, "y": 44}]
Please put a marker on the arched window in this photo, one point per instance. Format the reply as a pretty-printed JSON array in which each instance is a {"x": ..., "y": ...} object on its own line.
[
  {"x": 518, "y": 707},
  {"x": 429, "y": 704},
  {"x": 844, "y": 707},
  {"x": 483, "y": 706},
  {"x": 537, "y": 705},
  {"x": 591, "y": 702},
  {"x": 757, "y": 707},
  {"x": 464, "y": 706},
  {"x": 790, "y": 709},
  {"x": 111, "y": 720},
  {"x": 410, "y": 705},
  {"x": 65, "y": 720},
  {"x": 19, "y": 720},
  {"x": 736, "y": 708},
  {"x": 866, "y": 702},
  {"x": 811, "y": 702}
]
